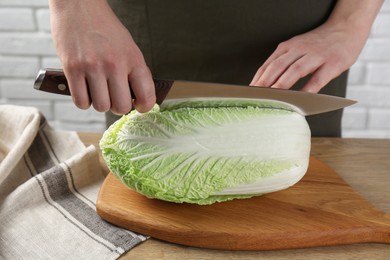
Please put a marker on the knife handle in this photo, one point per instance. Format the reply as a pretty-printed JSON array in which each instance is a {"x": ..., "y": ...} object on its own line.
[{"x": 54, "y": 81}]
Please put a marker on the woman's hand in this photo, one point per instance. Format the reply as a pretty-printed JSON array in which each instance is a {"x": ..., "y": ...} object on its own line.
[
  {"x": 99, "y": 57},
  {"x": 324, "y": 52}
]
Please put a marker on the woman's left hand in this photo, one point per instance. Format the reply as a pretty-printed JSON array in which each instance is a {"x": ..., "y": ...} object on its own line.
[{"x": 324, "y": 52}]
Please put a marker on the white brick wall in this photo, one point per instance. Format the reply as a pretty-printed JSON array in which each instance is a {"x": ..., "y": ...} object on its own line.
[
  {"x": 26, "y": 46},
  {"x": 369, "y": 84}
]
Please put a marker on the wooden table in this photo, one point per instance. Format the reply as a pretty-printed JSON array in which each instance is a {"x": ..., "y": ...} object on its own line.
[{"x": 363, "y": 163}]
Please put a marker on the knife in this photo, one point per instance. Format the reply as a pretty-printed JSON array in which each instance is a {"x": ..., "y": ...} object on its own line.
[{"x": 54, "y": 81}]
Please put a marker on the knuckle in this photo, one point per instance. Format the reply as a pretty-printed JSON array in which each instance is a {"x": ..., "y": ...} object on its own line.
[
  {"x": 316, "y": 82},
  {"x": 121, "y": 108},
  {"x": 285, "y": 81},
  {"x": 263, "y": 83},
  {"x": 333, "y": 60},
  {"x": 72, "y": 64},
  {"x": 81, "y": 103},
  {"x": 283, "y": 46},
  {"x": 92, "y": 63},
  {"x": 112, "y": 61},
  {"x": 277, "y": 64},
  {"x": 338, "y": 63},
  {"x": 150, "y": 101},
  {"x": 280, "y": 84},
  {"x": 145, "y": 104},
  {"x": 300, "y": 47},
  {"x": 296, "y": 67},
  {"x": 101, "y": 106},
  {"x": 140, "y": 72},
  {"x": 298, "y": 70},
  {"x": 138, "y": 60},
  {"x": 84, "y": 63}
]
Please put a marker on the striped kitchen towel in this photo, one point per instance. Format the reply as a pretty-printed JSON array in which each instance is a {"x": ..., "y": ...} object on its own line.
[{"x": 49, "y": 183}]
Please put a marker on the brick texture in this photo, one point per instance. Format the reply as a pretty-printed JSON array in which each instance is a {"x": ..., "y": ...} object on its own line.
[
  {"x": 43, "y": 18},
  {"x": 18, "y": 67},
  {"x": 378, "y": 73},
  {"x": 24, "y": 3},
  {"x": 26, "y": 46},
  {"x": 17, "y": 19}
]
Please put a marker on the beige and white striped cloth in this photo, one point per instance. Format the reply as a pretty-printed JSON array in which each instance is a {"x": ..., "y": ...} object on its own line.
[{"x": 49, "y": 183}]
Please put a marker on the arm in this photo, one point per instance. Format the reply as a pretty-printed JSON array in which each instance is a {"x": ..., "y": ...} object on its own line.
[
  {"x": 99, "y": 57},
  {"x": 324, "y": 52}
]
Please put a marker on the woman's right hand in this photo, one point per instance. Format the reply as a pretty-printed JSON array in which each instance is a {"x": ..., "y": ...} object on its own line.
[{"x": 99, "y": 57}]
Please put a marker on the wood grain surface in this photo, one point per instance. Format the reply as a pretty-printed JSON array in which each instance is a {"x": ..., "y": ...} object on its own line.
[
  {"x": 320, "y": 210},
  {"x": 363, "y": 163}
]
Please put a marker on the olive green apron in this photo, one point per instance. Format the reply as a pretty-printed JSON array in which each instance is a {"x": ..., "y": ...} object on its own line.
[{"x": 224, "y": 41}]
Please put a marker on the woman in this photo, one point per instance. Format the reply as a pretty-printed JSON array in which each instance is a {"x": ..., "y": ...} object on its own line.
[{"x": 302, "y": 44}]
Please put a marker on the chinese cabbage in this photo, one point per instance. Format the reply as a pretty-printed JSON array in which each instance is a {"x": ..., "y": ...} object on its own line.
[{"x": 209, "y": 150}]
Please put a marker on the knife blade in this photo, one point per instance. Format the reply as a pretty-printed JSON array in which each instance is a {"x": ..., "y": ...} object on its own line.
[{"x": 54, "y": 81}]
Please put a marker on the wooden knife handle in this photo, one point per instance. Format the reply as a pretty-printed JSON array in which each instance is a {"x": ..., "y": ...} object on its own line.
[{"x": 54, "y": 81}]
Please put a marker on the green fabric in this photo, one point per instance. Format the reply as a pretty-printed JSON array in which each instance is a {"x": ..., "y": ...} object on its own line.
[{"x": 224, "y": 40}]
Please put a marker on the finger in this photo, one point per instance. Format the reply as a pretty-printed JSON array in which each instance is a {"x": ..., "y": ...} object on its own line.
[
  {"x": 120, "y": 96},
  {"x": 98, "y": 88},
  {"x": 276, "y": 68},
  {"x": 299, "y": 69},
  {"x": 78, "y": 89},
  {"x": 320, "y": 78},
  {"x": 276, "y": 54},
  {"x": 143, "y": 87}
]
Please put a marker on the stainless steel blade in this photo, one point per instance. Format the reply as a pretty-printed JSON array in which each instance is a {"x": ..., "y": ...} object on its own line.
[{"x": 305, "y": 102}]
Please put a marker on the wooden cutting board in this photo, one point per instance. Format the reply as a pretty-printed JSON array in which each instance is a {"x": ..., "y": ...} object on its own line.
[{"x": 319, "y": 210}]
